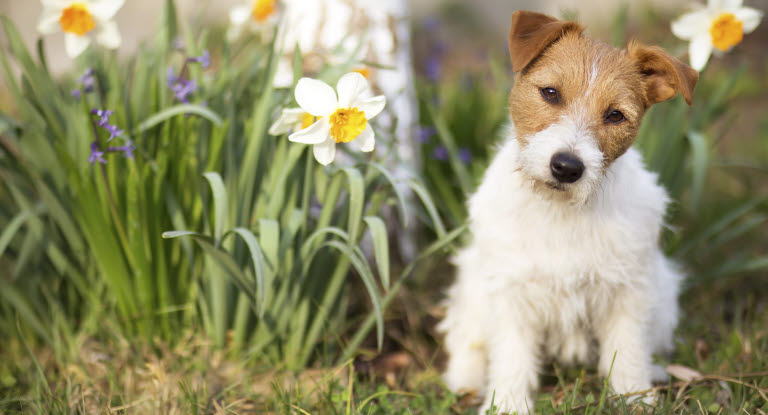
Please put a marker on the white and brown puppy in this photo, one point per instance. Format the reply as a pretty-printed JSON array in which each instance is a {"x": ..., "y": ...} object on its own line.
[{"x": 564, "y": 262}]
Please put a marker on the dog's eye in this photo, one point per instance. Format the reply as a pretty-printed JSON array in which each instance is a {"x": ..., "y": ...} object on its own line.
[
  {"x": 614, "y": 117},
  {"x": 550, "y": 95}
]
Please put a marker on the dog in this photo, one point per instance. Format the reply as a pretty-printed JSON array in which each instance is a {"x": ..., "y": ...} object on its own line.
[{"x": 564, "y": 262}]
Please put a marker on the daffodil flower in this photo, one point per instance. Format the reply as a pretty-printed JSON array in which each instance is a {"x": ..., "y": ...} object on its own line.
[
  {"x": 721, "y": 25},
  {"x": 79, "y": 20},
  {"x": 340, "y": 119},
  {"x": 292, "y": 119},
  {"x": 257, "y": 16}
]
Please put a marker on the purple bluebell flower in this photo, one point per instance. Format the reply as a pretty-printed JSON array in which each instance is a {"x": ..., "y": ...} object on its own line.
[
  {"x": 96, "y": 155},
  {"x": 103, "y": 116},
  {"x": 113, "y": 131},
  {"x": 87, "y": 83},
  {"x": 204, "y": 60},
  {"x": 465, "y": 155},
  {"x": 180, "y": 86},
  {"x": 425, "y": 133},
  {"x": 182, "y": 89},
  {"x": 440, "y": 153}
]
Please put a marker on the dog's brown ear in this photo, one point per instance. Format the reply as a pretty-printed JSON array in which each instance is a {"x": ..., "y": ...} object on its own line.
[
  {"x": 664, "y": 75},
  {"x": 530, "y": 33}
]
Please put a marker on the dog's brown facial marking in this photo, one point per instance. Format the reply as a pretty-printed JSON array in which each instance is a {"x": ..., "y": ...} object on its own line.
[
  {"x": 601, "y": 90},
  {"x": 593, "y": 84}
]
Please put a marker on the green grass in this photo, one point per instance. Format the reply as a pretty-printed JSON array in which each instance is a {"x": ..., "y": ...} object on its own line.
[{"x": 726, "y": 341}]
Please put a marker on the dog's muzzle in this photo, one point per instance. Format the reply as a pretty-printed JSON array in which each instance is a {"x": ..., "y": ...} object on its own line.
[{"x": 566, "y": 167}]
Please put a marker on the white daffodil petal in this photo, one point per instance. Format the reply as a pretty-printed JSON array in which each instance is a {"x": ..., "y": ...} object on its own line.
[
  {"x": 367, "y": 139},
  {"x": 714, "y": 4},
  {"x": 315, "y": 97},
  {"x": 49, "y": 21},
  {"x": 105, "y": 9},
  {"x": 75, "y": 44},
  {"x": 287, "y": 120},
  {"x": 699, "y": 51},
  {"x": 691, "y": 24},
  {"x": 325, "y": 151},
  {"x": 350, "y": 87},
  {"x": 750, "y": 18},
  {"x": 56, "y": 4},
  {"x": 730, "y": 4},
  {"x": 371, "y": 106},
  {"x": 316, "y": 133},
  {"x": 109, "y": 37},
  {"x": 239, "y": 15}
]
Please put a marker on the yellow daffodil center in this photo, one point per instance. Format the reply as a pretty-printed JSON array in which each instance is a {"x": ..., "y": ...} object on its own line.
[
  {"x": 76, "y": 19},
  {"x": 363, "y": 71},
  {"x": 347, "y": 124},
  {"x": 726, "y": 31},
  {"x": 306, "y": 120},
  {"x": 262, "y": 9}
]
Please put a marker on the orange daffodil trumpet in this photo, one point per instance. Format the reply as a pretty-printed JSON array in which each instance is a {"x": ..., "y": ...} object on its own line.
[
  {"x": 80, "y": 20},
  {"x": 721, "y": 25},
  {"x": 325, "y": 118}
]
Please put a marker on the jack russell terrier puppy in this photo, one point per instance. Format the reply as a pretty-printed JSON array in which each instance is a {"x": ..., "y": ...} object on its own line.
[{"x": 565, "y": 262}]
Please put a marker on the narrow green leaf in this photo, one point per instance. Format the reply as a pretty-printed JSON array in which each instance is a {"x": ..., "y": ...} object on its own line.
[
  {"x": 699, "y": 165},
  {"x": 175, "y": 110},
  {"x": 433, "y": 248},
  {"x": 356, "y": 188},
  {"x": 364, "y": 271},
  {"x": 402, "y": 207},
  {"x": 426, "y": 199},
  {"x": 12, "y": 227},
  {"x": 380, "y": 247},
  {"x": 257, "y": 257},
  {"x": 219, "y": 204}
]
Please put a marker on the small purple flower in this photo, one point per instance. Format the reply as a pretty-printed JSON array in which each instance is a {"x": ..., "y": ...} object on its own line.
[
  {"x": 96, "y": 155},
  {"x": 87, "y": 83},
  {"x": 440, "y": 153},
  {"x": 425, "y": 133},
  {"x": 103, "y": 116},
  {"x": 465, "y": 155},
  {"x": 113, "y": 131},
  {"x": 204, "y": 60},
  {"x": 182, "y": 89},
  {"x": 180, "y": 86}
]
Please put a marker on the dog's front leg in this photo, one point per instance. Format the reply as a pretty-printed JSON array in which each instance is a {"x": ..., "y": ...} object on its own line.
[
  {"x": 624, "y": 353},
  {"x": 513, "y": 366}
]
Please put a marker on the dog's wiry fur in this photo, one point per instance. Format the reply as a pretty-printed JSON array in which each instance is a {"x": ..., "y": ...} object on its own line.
[{"x": 566, "y": 270}]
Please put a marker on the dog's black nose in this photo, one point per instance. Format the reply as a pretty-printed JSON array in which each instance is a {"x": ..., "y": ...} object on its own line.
[{"x": 566, "y": 167}]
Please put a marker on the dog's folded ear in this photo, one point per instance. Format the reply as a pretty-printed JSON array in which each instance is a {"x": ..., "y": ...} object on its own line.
[
  {"x": 530, "y": 33},
  {"x": 664, "y": 75}
]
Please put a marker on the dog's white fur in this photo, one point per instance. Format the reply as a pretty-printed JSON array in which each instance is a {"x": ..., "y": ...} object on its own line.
[{"x": 571, "y": 272}]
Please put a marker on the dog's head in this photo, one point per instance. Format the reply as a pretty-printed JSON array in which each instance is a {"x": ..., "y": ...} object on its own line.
[{"x": 577, "y": 103}]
